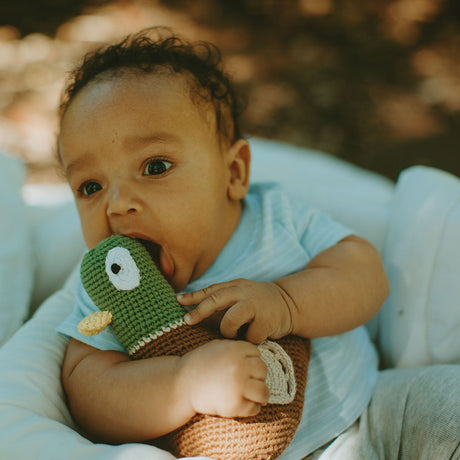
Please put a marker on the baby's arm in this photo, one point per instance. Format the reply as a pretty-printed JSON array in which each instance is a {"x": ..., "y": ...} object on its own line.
[
  {"x": 340, "y": 289},
  {"x": 115, "y": 399}
]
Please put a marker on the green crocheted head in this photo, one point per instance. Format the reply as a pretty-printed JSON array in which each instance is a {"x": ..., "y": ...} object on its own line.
[{"x": 120, "y": 277}]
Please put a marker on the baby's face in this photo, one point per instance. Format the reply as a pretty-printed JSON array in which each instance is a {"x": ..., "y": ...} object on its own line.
[{"x": 143, "y": 160}]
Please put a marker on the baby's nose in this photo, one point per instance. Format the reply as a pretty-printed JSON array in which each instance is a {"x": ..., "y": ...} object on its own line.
[{"x": 122, "y": 200}]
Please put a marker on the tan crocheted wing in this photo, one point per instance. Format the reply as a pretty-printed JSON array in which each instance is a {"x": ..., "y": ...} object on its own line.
[{"x": 280, "y": 376}]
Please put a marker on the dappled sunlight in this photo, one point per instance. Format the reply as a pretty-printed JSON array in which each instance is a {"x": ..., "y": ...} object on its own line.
[{"x": 368, "y": 82}]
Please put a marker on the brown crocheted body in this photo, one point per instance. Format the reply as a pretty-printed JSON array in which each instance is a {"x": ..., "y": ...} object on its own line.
[
  {"x": 176, "y": 342},
  {"x": 262, "y": 437}
]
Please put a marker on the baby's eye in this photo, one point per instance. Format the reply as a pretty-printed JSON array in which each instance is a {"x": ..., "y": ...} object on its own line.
[
  {"x": 88, "y": 188},
  {"x": 156, "y": 167}
]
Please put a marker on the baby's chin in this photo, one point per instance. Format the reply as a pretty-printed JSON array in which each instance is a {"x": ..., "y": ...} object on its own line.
[
  {"x": 177, "y": 284},
  {"x": 181, "y": 278}
]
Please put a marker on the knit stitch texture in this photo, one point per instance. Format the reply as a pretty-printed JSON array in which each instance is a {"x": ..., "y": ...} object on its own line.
[{"x": 121, "y": 278}]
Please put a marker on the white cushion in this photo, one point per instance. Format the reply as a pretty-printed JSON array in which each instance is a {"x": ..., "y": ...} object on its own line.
[
  {"x": 55, "y": 234},
  {"x": 420, "y": 322},
  {"x": 16, "y": 263}
]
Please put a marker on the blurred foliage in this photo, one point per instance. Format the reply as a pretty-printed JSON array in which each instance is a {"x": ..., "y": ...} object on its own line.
[{"x": 375, "y": 82}]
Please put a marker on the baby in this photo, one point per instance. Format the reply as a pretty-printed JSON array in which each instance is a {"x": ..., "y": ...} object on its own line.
[{"x": 151, "y": 146}]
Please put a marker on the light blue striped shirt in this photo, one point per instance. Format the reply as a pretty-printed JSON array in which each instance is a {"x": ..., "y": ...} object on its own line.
[{"x": 277, "y": 236}]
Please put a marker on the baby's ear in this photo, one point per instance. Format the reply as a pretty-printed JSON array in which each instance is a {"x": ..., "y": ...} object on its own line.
[{"x": 239, "y": 161}]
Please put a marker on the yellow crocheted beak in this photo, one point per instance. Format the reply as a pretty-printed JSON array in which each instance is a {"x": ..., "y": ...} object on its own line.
[{"x": 94, "y": 323}]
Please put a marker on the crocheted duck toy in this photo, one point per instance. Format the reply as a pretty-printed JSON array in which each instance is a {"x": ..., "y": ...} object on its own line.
[{"x": 133, "y": 297}]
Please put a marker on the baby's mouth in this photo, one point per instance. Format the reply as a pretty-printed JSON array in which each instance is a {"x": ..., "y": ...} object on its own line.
[
  {"x": 154, "y": 251},
  {"x": 160, "y": 258}
]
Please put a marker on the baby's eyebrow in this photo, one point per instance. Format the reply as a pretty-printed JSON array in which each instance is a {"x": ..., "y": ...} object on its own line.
[
  {"x": 76, "y": 164},
  {"x": 155, "y": 138},
  {"x": 136, "y": 140}
]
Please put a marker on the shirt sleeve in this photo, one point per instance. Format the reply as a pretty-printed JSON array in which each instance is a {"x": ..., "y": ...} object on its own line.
[
  {"x": 317, "y": 231},
  {"x": 105, "y": 340}
]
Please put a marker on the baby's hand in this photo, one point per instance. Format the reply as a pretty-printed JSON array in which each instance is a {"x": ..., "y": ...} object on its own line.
[
  {"x": 225, "y": 378},
  {"x": 264, "y": 307}
]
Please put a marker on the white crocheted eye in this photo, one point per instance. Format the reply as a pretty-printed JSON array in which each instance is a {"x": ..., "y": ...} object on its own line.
[{"x": 121, "y": 269}]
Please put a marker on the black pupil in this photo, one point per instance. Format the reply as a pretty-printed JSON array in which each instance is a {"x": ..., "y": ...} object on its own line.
[
  {"x": 156, "y": 167},
  {"x": 92, "y": 187},
  {"x": 115, "y": 268}
]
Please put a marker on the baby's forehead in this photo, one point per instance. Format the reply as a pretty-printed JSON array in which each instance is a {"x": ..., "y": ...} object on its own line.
[
  {"x": 188, "y": 87},
  {"x": 140, "y": 102},
  {"x": 183, "y": 84},
  {"x": 190, "y": 99}
]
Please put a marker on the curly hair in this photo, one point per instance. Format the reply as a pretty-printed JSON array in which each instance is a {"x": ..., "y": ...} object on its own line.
[{"x": 152, "y": 49}]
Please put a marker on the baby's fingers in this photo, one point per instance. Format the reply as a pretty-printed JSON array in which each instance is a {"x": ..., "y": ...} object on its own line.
[
  {"x": 236, "y": 317},
  {"x": 209, "y": 300},
  {"x": 257, "y": 392},
  {"x": 246, "y": 408}
]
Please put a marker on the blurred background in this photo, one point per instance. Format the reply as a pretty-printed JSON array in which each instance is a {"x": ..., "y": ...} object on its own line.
[{"x": 375, "y": 82}]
